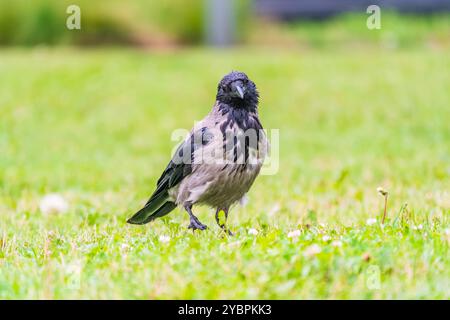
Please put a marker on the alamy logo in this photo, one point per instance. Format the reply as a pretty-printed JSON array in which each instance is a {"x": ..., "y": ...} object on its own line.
[
  {"x": 374, "y": 20},
  {"x": 212, "y": 147},
  {"x": 73, "y": 21},
  {"x": 373, "y": 277}
]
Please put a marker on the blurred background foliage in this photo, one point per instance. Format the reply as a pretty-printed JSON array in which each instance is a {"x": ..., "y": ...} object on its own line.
[
  {"x": 136, "y": 22},
  {"x": 178, "y": 23}
]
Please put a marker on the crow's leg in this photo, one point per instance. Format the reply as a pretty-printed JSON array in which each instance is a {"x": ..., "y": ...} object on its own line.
[
  {"x": 222, "y": 225},
  {"x": 195, "y": 223}
]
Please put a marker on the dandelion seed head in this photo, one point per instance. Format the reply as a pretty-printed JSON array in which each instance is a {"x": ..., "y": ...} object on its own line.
[
  {"x": 382, "y": 192},
  {"x": 53, "y": 204}
]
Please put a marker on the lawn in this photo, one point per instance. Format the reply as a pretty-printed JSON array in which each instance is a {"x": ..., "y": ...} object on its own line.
[{"x": 95, "y": 127}]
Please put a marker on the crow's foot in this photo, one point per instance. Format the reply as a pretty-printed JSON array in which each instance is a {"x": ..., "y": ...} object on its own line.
[
  {"x": 196, "y": 225},
  {"x": 222, "y": 224},
  {"x": 228, "y": 231}
]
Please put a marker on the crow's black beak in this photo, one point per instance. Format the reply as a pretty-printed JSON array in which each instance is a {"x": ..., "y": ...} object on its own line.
[{"x": 240, "y": 92}]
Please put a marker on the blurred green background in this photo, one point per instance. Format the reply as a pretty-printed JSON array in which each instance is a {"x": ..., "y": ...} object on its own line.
[
  {"x": 89, "y": 113},
  {"x": 173, "y": 23},
  {"x": 137, "y": 22}
]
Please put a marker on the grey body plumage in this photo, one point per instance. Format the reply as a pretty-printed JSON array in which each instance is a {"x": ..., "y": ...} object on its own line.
[{"x": 218, "y": 162}]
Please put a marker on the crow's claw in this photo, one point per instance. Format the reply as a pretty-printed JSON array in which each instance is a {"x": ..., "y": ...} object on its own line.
[
  {"x": 225, "y": 229},
  {"x": 195, "y": 224}
]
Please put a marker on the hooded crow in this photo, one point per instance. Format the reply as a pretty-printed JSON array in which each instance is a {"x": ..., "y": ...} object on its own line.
[{"x": 219, "y": 160}]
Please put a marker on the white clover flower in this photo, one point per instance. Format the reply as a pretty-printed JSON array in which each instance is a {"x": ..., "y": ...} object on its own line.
[
  {"x": 294, "y": 234},
  {"x": 326, "y": 238},
  {"x": 252, "y": 231},
  {"x": 371, "y": 221},
  {"x": 124, "y": 247},
  {"x": 312, "y": 250},
  {"x": 447, "y": 232},
  {"x": 164, "y": 239},
  {"x": 336, "y": 243},
  {"x": 53, "y": 204},
  {"x": 419, "y": 227}
]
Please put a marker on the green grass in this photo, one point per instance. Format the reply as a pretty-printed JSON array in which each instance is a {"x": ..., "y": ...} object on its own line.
[{"x": 95, "y": 126}]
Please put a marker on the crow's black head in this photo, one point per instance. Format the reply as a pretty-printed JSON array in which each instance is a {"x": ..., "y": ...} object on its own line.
[{"x": 237, "y": 91}]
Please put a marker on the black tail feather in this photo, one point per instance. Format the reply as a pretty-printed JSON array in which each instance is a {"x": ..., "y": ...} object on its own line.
[
  {"x": 156, "y": 207},
  {"x": 161, "y": 212}
]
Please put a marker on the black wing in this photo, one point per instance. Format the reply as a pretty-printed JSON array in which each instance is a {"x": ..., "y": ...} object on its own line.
[{"x": 178, "y": 168}]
